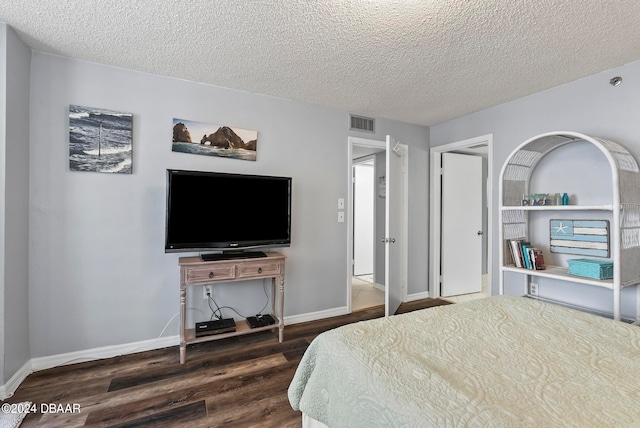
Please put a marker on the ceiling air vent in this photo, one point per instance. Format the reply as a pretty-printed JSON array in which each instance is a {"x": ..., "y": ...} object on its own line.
[{"x": 359, "y": 123}]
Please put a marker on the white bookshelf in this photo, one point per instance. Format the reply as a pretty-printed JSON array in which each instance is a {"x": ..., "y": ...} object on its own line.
[{"x": 624, "y": 211}]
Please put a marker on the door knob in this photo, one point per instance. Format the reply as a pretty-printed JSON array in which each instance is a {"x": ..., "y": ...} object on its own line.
[{"x": 480, "y": 232}]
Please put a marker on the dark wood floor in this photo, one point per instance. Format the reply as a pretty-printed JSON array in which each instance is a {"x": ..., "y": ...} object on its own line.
[{"x": 235, "y": 382}]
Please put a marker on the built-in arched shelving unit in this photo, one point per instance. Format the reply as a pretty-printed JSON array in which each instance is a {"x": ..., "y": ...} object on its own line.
[{"x": 623, "y": 206}]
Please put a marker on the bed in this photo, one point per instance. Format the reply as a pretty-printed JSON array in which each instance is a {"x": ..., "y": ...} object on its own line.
[{"x": 503, "y": 361}]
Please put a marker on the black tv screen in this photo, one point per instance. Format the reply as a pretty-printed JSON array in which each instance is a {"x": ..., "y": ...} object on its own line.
[{"x": 219, "y": 211}]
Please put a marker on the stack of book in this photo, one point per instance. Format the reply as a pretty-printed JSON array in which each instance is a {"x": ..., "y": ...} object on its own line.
[{"x": 524, "y": 255}]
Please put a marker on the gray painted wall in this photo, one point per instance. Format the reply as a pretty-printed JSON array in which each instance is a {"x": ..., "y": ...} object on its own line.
[
  {"x": 14, "y": 192},
  {"x": 98, "y": 272},
  {"x": 590, "y": 105}
]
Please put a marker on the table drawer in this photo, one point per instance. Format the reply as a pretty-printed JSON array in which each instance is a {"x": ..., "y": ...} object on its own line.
[
  {"x": 204, "y": 275},
  {"x": 254, "y": 269}
]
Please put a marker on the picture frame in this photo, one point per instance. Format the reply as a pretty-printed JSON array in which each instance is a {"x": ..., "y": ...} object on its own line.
[{"x": 100, "y": 140}]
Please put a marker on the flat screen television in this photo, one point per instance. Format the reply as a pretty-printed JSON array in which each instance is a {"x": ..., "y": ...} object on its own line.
[{"x": 212, "y": 211}]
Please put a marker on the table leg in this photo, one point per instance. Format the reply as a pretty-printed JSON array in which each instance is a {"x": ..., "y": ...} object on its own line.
[
  {"x": 183, "y": 320},
  {"x": 281, "y": 306}
]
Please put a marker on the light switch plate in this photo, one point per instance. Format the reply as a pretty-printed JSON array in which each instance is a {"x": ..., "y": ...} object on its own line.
[
  {"x": 340, "y": 203},
  {"x": 340, "y": 216}
]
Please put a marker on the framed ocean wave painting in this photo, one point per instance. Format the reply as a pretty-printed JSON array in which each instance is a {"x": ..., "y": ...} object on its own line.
[
  {"x": 213, "y": 140},
  {"x": 100, "y": 140}
]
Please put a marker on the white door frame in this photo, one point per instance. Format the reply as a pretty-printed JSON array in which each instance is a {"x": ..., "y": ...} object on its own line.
[
  {"x": 435, "y": 205},
  {"x": 405, "y": 209}
]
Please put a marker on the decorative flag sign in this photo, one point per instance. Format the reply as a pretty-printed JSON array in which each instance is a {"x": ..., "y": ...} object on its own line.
[{"x": 583, "y": 237}]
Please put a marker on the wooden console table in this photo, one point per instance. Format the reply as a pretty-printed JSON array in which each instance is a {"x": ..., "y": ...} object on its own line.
[{"x": 193, "y": 271}]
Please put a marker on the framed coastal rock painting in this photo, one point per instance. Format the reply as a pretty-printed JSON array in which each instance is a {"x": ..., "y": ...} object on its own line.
[
  {"x": 100, "y": 140},
  {"x": 213, "y": 140}
]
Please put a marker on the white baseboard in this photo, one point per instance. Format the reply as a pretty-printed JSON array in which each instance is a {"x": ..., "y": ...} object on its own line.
[
  {"x": 378, "y": 286},
  {"x": 42, "y": 363},
  {"x": 417, "y": 296},
  {"x": 313, "y": 316},
  {"x": 10, "y": 387}
]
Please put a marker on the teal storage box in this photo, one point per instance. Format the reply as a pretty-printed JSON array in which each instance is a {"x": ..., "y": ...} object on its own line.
[{"x": 588, "y": 268}]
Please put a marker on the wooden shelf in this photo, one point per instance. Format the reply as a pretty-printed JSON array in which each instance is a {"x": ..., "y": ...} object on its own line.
[{"x": 241, "y": 328}]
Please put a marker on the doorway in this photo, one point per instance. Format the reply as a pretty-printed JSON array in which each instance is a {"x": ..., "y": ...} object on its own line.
[
  {"x": 367, "y": 281},
  {"x": 389, "y": 255},
  {"x": 474, "y": 151},
  {"x": 364, "y": 216}
]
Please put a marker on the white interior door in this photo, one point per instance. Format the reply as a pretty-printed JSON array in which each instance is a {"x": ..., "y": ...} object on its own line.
[
  {"x": 461, "y": 238},
  {"x": 363, "y": 218},
  {"x": 393, "y": 228}
]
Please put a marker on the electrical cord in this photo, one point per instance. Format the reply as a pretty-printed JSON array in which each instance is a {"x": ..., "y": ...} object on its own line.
[
  {"x": 117, "y": 354},
  {"x": 163, "y": 330},
  {"x": 264, "y": 288},
  {"x": 218, "y": 309},
  {"x": 160, "y": 335},
  {"x": 213, "y": 311}
]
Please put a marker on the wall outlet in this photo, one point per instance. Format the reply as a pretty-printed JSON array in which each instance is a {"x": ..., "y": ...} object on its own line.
[
  {"x": 207, "y": 291},
  {"x": 533, "y": 289}
]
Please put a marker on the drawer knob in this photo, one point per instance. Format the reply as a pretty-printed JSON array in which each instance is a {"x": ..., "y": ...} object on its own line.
[
  {"x": 259, "y": 270},
  {"x": 210, "y": 274}
]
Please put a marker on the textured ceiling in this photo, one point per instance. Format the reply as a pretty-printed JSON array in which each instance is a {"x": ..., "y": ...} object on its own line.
[{"x": 418, "y": 61}]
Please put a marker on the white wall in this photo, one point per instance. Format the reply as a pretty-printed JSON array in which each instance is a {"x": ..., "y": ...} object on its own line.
[
  {"x": 363, "y": 226},
  {"x": 14, "y": 205},
  {"x": 98, "y": 272},
  {"x": 591, "y": 106}
]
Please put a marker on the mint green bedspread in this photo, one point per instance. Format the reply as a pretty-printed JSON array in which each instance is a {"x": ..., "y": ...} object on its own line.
[{"x": 503, "y": 361}]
